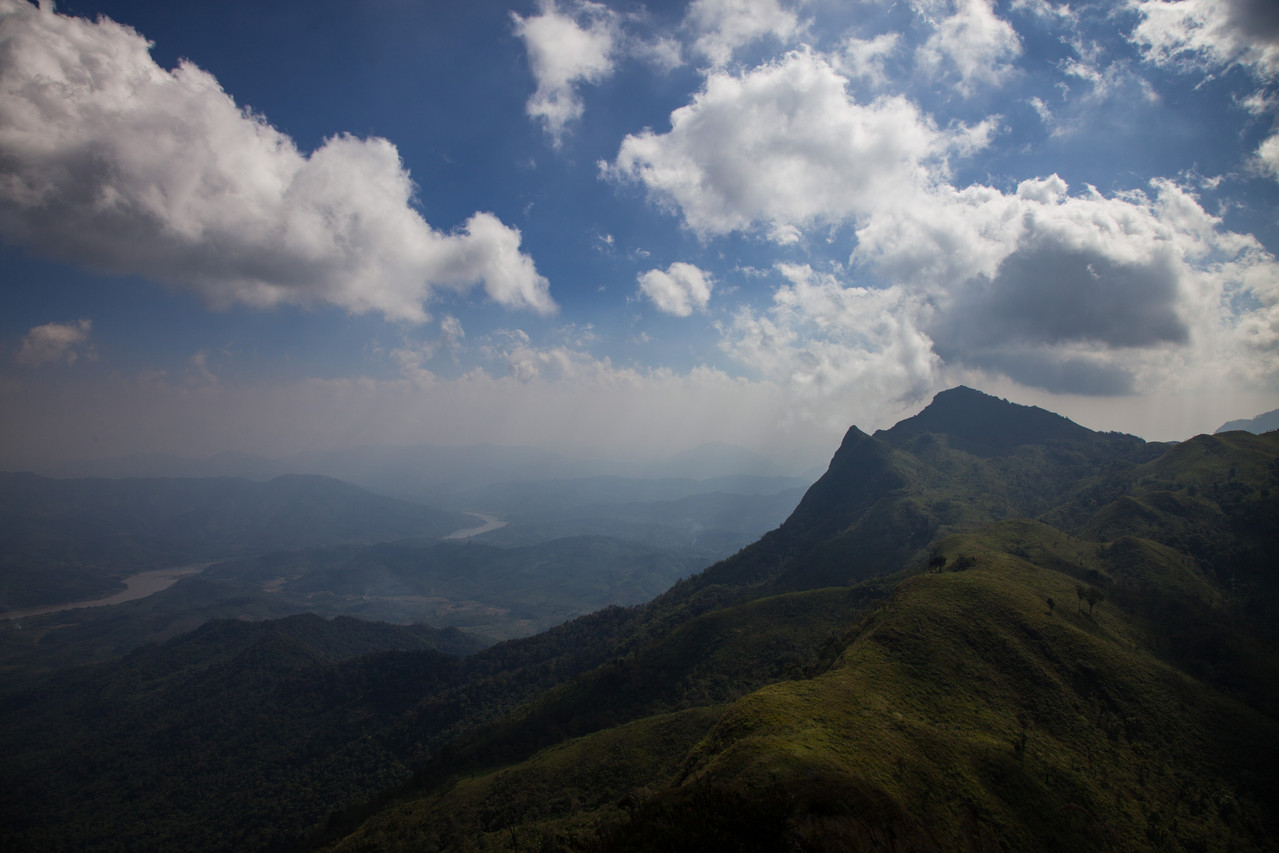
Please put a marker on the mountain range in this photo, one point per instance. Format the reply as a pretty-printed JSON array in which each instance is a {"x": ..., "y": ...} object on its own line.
[
  {"x": 986, "y": 628},
  {"x": 440, "y": 475}
]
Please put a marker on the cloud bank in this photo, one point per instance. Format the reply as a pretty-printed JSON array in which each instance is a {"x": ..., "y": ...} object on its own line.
[{"x": 111, "y": 161}]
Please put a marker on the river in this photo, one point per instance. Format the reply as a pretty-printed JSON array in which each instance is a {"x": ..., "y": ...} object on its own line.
[
  {"x": 150, "y": 582},
  {"x": 490, "y": 523},
  {"x": 135, "y": 586}
]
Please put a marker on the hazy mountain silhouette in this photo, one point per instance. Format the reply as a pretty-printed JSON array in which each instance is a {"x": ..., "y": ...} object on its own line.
[{"x": 1261, "y": 423}]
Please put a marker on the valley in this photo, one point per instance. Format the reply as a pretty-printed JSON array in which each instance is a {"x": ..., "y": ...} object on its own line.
[{"x": 136, "y": 586}]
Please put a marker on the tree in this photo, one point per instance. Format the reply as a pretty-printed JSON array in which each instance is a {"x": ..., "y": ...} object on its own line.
[
  {"x": 1051, "y": 605},
  {"x": 1094, "y": 597},
  {"x": 937, "y": 561},
  {"x": 1079, "y": 593}
]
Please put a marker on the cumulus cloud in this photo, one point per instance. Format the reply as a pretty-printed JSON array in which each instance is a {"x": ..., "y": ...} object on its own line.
[
  {"x": 826, "y": 337},
  {"x": 1051, "y": 313},
  {"x": 785, "y": 147},
  {"x": 565, "y": 50},
  {"x": 1078, "y": 293},
  {"x": 110, "y": 161},
  {"x": 1210, "y": 33},
  {"x": 723, "y": 26},
  {"x": 969, "y": 42},
  {"x": 56, "y": 343},
  {"x": 680, "y": 290}
]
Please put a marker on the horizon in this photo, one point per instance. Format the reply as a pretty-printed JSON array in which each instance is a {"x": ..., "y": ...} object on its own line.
[
  {"x": 791, "y": 464},
  {"x": 627, "y": 230}
]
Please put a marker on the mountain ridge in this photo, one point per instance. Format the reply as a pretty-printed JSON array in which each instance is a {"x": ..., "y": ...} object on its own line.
[{"x": 871, "y": 480}]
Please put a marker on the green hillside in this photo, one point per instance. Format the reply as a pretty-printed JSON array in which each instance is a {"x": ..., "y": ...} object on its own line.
[{"x": 969, "y": 697}]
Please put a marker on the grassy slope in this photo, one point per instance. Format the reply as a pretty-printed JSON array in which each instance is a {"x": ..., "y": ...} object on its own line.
[
  {"x": 963, "y": 713},
  {"x": 916, "y": 734},
  {"x": 558, "y": 794},
  {"x": 685, "y": 674}
]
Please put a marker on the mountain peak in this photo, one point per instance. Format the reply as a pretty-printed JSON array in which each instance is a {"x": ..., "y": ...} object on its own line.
[{"x": 983, "y": 425}]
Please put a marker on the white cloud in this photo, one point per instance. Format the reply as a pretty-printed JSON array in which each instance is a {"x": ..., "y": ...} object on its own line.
[
  {"x": 112, "y": 162},
  {"x": 451, "y": 331},
  {"x": 565, "y": 50},
  {"x": 1268, "y": 156},
  {"x": 784, "y": 145},
  {"x": 680, "y": 290},
  {"x": 1210, "y": 34},
  {"x": 865, "y": 59},
  {"x": 198, "y": 370},
  {"x": 56, "y": 342},
  {"x": 969, "y": 41},
  {"x": 825, "y": 338},
  {"x": 723, "y": 26}
]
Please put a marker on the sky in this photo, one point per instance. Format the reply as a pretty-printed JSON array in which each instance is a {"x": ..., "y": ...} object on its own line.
[{"x": 625, "y": 228}]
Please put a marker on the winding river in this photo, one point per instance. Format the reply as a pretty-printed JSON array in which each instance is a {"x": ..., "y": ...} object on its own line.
[
  {"x": 150, "y": 582},
  {"x": 135, "y": 586},
  {"x": 490, "y": 523}
]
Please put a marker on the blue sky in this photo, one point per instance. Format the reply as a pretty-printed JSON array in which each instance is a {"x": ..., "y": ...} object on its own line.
[{"x": 628, "y": 228}]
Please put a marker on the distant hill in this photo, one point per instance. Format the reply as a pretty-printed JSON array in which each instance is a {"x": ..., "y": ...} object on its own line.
[
  {"x": 437, "y": 475},
  {"x": 497, "y": 592},
  {"x": 984, "y": 629},
  {"x": 151, "y": 465},
  {"x": 67, "y": 539},
  {"x": 1261, "y": 423}
]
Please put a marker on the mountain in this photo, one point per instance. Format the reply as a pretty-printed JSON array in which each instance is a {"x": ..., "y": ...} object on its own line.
[
  {"x": 986, "y": 628},
  {"x": 982, "y": 425},
  {"x": 1105, "y": 684},
  {"x": 67, "y": 539},
  {"x": 1261, "y": 423}
]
